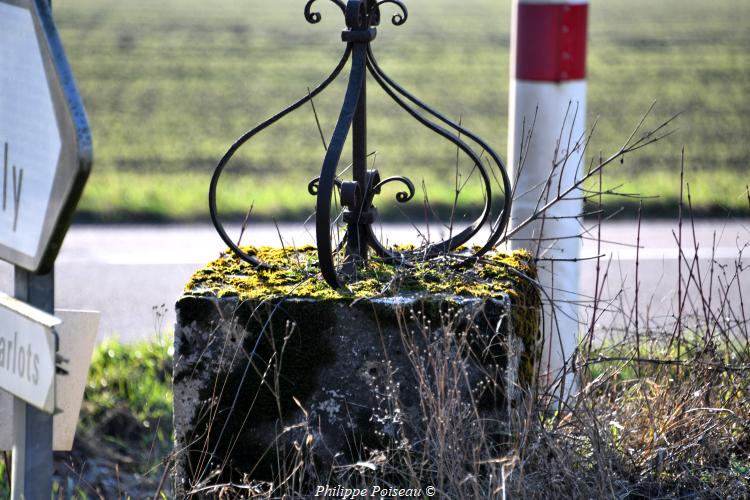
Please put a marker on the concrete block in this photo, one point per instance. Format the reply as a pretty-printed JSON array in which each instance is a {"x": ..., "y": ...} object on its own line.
[{"x": 264, "y": 378}]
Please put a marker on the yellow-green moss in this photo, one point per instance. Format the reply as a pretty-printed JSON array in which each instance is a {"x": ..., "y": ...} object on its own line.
[{"x": 295, "y": 273}]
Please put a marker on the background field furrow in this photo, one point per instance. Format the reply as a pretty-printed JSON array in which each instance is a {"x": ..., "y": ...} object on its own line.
[{"x": 170, "y": 85}]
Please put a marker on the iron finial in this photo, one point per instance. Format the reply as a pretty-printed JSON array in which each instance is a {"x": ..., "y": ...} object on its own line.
[{"x": 357, "y": 195}]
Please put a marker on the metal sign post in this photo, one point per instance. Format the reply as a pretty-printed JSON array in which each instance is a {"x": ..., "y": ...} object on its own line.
[
  {"x": 45, "y": 160},
  {"x": 29, "y": 362}
]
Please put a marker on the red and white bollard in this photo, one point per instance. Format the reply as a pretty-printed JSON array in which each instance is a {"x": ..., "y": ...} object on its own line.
[{"x": 548, "y": 93}]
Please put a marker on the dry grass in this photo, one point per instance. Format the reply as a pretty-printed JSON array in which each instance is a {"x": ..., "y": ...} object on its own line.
[
  {"x": 668, "y": 420},
  {"x": 663, "y": 409}
]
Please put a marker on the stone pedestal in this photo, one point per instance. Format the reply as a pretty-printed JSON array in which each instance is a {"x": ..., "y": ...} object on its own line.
[{"x": 274, "y": 371}]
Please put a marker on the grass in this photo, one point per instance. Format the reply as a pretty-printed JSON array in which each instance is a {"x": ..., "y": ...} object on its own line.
[
  {"x": 653, "y": 429},
  {"x": 4, "y": 483},
  {"x": 169, "y": 85},
  {"x": 126, "y": 421},
  {"x": 662, "y": 412},
  {"x": 656, "y": 429},
  {"x": 135, "y": 377}
]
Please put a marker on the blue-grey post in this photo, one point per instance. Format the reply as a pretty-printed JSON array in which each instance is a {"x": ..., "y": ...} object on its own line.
[{"x": 32, "y": 448}]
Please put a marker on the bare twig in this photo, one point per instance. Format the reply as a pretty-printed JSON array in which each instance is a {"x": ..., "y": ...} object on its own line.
[
  {"x": 317, "y": 121},
  {"x": 629, "y": 146}
]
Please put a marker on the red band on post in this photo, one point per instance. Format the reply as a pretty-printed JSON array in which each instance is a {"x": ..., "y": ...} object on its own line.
[{"x": 551, "y": 42}]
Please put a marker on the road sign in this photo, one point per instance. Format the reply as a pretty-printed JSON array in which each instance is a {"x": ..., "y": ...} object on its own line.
[
  {"x": 27, "y": 353},
  {"x": 45, "y": 143},
  {"x": 77, "y": 336}
]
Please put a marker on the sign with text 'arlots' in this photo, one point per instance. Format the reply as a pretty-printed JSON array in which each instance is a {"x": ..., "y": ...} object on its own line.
[
  {"x": 45, "y": 143},
  {"x": 27, "y": 353}
]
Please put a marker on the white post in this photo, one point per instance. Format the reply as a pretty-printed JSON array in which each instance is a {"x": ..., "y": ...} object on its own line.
[{"x": 547, "y": 121}]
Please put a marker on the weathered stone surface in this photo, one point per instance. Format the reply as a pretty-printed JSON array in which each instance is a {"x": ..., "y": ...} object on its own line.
[{"x": 258, "y": 381}]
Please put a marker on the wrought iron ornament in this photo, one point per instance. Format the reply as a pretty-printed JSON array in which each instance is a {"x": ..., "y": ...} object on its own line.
[{"x": 357, "y": 195}]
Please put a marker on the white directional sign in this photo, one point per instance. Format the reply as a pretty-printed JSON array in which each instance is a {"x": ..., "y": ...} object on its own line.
[
  {"x": 76, "y": 337},
  {"x": 45, "y": 145},
  {"x": 27, "y": 353}
]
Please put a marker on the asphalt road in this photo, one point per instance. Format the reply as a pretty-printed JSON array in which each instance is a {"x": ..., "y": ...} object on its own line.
[{"x": 134, "y": 274}]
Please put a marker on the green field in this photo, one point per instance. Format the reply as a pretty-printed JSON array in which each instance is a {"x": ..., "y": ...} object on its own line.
[{"x": 169, "y": 85}]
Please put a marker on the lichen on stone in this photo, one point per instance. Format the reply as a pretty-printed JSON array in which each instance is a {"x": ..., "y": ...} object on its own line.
[
  {"x": 294, "y": 273},
  {"x": 354, "y": 362}
]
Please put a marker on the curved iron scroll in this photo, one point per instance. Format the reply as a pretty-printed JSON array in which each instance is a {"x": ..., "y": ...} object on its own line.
[
  {"x": 315, "y": 17},
  {"x": 357, "y": 195}
]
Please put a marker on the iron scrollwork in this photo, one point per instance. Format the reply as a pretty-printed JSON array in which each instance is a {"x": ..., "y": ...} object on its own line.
[
  {"x": 315, "y": 17},
  {"x": 357, "y": 195}
]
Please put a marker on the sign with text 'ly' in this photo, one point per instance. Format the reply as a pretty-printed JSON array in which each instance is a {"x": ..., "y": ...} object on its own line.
[
  {"x": 45, "y": 143},
  {"x": 27, "y": 353}
]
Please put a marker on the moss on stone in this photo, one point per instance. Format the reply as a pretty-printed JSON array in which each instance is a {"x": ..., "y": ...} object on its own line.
[
  {"x": 295, "y": 273},
  {"x": 339, "y": 355}
]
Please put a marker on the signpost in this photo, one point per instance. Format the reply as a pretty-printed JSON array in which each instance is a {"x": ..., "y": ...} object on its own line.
[{"x": 45, "y": 159}]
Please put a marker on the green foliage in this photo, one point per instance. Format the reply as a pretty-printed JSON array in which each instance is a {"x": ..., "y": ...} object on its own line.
[
  {"x": 135, "y": 378},
  {"x": 169, "y": 85},
  {"x": 4, "y": 483},
  {"x": 618, "y": 362}
]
